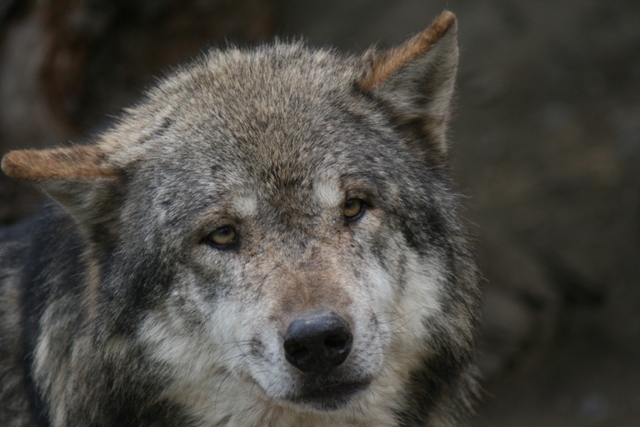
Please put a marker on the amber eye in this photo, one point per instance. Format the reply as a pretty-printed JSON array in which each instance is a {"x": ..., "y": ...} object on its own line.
[
  {"x": 223, "y": 236},
  {"x": 353, "y": 208}
]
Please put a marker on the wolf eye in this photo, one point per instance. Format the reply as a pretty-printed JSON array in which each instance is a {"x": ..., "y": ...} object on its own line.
[
  {"x": 223, "y": 236},
  {"x": 354, "y": 208}
]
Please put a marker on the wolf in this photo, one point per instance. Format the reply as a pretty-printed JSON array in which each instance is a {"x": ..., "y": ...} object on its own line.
[{"x": 270, "y": 237}]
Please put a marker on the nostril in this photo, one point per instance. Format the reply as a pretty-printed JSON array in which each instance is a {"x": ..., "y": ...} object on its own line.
[
  {"x": 317, "y": 342},
  {"x": 337, "y": 341},
  {"x": 295, "y": 349}
]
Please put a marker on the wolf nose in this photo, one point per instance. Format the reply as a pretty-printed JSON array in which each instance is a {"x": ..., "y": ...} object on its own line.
[{"x": 317, "y": 341}]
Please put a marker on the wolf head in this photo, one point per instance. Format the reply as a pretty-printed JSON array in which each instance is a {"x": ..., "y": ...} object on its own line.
[{"x": 274, "y": 230}]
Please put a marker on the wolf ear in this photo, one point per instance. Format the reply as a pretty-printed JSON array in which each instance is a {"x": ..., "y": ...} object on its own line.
[
  {"x": 76, "y": 177},
  {"x": 415, "y": 81}
]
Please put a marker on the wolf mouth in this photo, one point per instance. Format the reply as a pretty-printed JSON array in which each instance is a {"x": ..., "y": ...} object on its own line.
[{"x": 329, "y": 397}]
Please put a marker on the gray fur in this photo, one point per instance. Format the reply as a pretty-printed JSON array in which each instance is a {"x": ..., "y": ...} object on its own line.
[{"x": 117, "y": 310}]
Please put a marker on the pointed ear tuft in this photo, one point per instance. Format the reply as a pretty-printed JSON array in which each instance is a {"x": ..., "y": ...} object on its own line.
[
  {"x": 385, "y": 64},
  {"x": 416, "y": 80},
  {"x": 75, "y": 163}
]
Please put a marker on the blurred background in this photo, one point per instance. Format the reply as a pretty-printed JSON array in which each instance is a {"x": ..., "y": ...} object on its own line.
[{"x": 546, "y": 143}]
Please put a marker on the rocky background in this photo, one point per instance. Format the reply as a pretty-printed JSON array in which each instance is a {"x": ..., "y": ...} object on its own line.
[{"x": 546, "y": 139}]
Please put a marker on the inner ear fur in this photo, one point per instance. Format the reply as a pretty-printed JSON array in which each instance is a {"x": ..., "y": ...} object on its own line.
[{"x": 415, "y": 82}]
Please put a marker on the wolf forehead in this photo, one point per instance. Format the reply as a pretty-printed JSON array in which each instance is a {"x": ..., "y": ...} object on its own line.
[
  {"x": 280, "y": 117},
  {"x": 271, "y": 100}
]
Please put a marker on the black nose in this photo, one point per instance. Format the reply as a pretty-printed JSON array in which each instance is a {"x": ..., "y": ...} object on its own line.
[{"x": 317, "y": 341}]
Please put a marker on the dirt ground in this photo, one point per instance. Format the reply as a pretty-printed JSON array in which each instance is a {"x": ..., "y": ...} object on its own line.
[{"x": 546, "y": 143}]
